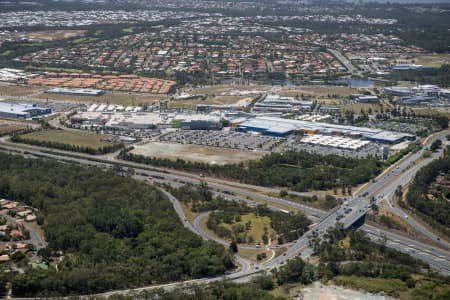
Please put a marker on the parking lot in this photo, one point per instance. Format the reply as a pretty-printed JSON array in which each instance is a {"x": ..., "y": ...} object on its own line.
[
  {"x": 254, "y": 142},
  {"x": 231, "y": 140},
  {"x": 413, "y": 127},
  {"x": 294, "y": 143}
]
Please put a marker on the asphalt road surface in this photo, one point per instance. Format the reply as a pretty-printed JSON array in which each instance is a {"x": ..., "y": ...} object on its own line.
[{"x": 355, "y": 208}]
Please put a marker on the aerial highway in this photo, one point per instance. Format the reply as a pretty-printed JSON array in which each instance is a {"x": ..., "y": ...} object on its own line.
[
  {"x": 170, "y": 176},
  {"x": 437, "y": 258},
  {"x": 351, "y": 211},
  {"x": 403, "y": 181},
  {"x": 415, "y": 224},
  {"x": 356, "y": 207}
]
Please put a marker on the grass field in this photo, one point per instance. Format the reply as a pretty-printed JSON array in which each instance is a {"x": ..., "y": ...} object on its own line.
[
  {"x": 318, "y": 91},
  {"x": 345, "y": 243},
  {"x": 75, "y": 138},
  {"x": 113, "y": 98},
  {"x": 372, "y": 285},
  {"x": 212, "y": 155},
  {"x": 330, "y": 102},
  {"x": 432, "y": 60},
  {"x": 11, "y": 128},
  {"x": 251, "y": 254},
  {"x": 219, "y": 89},
  {"x": 257, "y": 229},
  {"x": 430, "y": 111},
  {"x": 218, "y": 100},
  {"x": 356, "y": 108}
]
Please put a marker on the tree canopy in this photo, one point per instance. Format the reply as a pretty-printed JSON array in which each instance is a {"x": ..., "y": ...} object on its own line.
[{"x": 114, "y": 232}]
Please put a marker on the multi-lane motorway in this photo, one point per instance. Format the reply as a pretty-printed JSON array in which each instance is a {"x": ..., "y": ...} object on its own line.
[
  {"x": 351, "y": 211},
  {"x": 435, "y": 257},
  {"x": 359, "y": 204}
]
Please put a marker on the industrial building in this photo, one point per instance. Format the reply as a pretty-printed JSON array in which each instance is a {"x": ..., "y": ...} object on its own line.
[
  {"x": 335, "y": 141},
  {"x": 76, "y": 92},
  {"x": 329, "y": 109},
  {"x": 445, "y": 94},
  {"x": 282, "y": 104},
  {"x": 338, "y": 145},
  {"x": 418, "y": 100},
  {"x": 128, "y": 121},
  {"x": 427, "y": 90},
  {"x": 119, "y": 120},
  {"x": 283, "y": 127},
  {"x": 22, "y": 111},
  {"x": 113, "y": 108},
  {"x": 12, "y": 75},
  {"x": 197, "y": 122},
  {"x": 390, "y": 137},
  {"x": 212, "y": 107},
  {"x": 401, "y": 67},
  {"x": 398, "y": 91},
  {"x": 367, "y": 99}
]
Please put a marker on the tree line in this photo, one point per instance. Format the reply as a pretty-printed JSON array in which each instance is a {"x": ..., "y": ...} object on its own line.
[
  {"x": 435, "y": 207},
  {"x": 298, "y": 171}
]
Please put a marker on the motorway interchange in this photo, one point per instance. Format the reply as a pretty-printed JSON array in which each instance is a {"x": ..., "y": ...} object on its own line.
[{"x": 351, "y": 211}]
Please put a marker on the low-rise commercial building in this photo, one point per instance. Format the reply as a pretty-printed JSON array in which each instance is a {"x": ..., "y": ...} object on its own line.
[
  {"x": 283, "y": 127},
  {"x": 197, "y": 122},
  {"x": 22, "y": 111},
  {"x": 76, "y": 92}
]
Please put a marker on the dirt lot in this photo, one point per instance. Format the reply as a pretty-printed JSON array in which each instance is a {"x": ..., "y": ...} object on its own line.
[
  {"x": 113, "y": 98},
  {"x": 17, "y": 90},
  {"x": 196, "y": 153},
  {"x": 320, "y": 291},
  {"x": 54, "y": 35}
]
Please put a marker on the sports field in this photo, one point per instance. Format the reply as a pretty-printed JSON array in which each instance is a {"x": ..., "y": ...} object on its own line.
[
  {"x": 225, "y": 89},
  {"x": 258, "y": 224},
  {"x": 318, "y": 91},
  {"x": 217, "y": 100},
  {"x": 75, "y": 138}
]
